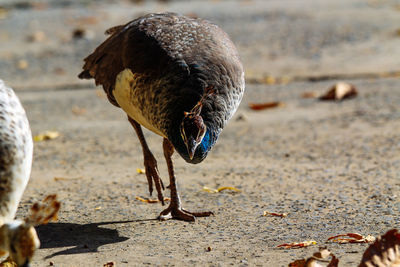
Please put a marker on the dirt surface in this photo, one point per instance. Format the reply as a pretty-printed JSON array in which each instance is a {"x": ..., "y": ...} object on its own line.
[{"x": 334, "y": 167}]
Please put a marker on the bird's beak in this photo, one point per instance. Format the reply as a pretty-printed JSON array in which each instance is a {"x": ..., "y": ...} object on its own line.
[
  {"x": 191, "y": 146},
  {"x": 26, "y": 264}
]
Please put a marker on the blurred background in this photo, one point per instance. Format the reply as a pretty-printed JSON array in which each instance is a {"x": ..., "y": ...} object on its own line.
[{"x": 43, "y": 42}]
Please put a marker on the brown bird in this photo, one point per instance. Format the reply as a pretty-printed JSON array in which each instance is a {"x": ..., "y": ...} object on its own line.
[{"x": 178, "y": 77}]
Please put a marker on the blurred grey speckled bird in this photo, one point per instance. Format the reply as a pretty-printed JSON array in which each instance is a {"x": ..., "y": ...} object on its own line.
[
  {"x": 178, "y": 77},
  {"x": 16, "y": 147}
]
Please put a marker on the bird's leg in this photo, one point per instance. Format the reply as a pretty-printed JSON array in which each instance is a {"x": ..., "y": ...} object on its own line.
[
  {"x": 175, "y": 210},
  {"x": 150, "y": 163}
]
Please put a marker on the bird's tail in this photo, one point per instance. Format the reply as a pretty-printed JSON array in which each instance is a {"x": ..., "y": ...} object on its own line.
[{"x": 85, "y": 75}]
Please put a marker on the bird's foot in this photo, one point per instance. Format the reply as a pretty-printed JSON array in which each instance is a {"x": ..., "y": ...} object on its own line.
[
  {"x": 152, "y": 174},
  {"x": 176, "y": 212}
]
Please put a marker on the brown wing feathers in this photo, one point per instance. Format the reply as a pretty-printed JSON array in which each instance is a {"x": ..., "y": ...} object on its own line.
[{"x": 105, "y": 62}]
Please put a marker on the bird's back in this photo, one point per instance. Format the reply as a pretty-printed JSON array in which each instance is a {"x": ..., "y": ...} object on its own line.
[
  {"x": 159, "y": 66},
  {"x": 15, "y": 152}
]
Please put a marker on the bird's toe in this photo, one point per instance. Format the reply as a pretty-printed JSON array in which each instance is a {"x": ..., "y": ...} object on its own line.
[{"x": 174, "y": 212}]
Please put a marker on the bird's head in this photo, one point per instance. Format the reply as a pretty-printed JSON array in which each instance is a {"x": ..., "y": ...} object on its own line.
[
  {"x": 192, "y": 130},
  {"x": 20, "y": 240}
]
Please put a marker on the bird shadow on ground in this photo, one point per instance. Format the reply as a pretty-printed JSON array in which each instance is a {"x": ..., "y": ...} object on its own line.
[{"x": 84, "y": 238}]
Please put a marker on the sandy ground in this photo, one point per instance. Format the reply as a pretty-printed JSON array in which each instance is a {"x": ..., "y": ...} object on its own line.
[{"x": 333, "y": 167}]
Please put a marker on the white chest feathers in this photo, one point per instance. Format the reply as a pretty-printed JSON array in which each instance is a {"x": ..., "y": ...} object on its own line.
[
  {"x": 16, "y": 149},
  {"x": 125, "y": 93}
]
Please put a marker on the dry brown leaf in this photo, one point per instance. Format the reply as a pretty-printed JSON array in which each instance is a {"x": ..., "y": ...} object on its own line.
[
  {"x": 149, "y": 200},
  {"x": 298, "y": 244},
  {"x": 384, "y": 252},
  {"x": 140, "y": 171},
  {"x": 47, "y": 135},
  {"x": 269, "y": 80},
  {"x": 210, "y": 190},
  {"x": 351, "y": 238},
  {"x": 317, "y": 260},
  {"x": 309, "y": 95},
  {"x": 87, "y": 20},
  {"x": 109, "y": 264},
  {"x": 22, "y": 64},
  {"x": 66, "y": 178},
  {"x": 340, "y": 91},
  {"x": 45, "y": 211},
  {"x": 222, "y": 188},
  {"x": 78, "y": 111},
  {"x": 79, "y": 33},
  {"x": 268, "y": 105},
  {"x": 3, "y": 12},
  {"x": 37, "y": 37},
  {"x": 266, "y": 213},
  {"x": 59, "y": 71}
]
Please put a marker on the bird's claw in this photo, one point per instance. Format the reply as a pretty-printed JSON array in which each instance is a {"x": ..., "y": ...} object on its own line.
[
  {"x": 152, "y": 174},
  {"x": 175, "y": 212}
]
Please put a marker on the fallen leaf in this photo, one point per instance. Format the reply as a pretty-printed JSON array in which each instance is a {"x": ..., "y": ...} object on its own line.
[
  {"x": 78, "y": 111},
  {"x": 298, "y": 244},
  {"x": 109, "y": 264},
  {"x": 22, "y": 64},
  {"x": 351, "y": 238},
  {"x": 148, "y": 200},
  {"x": 266, "y": 213},
  {"x": 384, "y": 252},
  {"x": 97, "y": 208},
  {"x": 66, "y": 178},
  {"x": 59, "y": 71},
  {"x": 87, "y": 20},
  {"x": 80, "y": 33},
  {"x": 3, "y": 13},
  {"x": 140, "y": 171},
  {"x": 309, "y": 95},
  {"x": 81, "y": 21},
  {"x": 47, "y": 135},
  {"x": 316, "y": 260},
  {"x": 211, "y": 190},
  {"x": 340, "y": 91},
  {"x": 269, "y": 80},
  {"x": 44, "y": 211},
  {"x": 39, "y": 5},
  {"x": 268, "y": 105},
  {"x": 222, "y": 188},
  {"x": 37, "y": 37}
]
